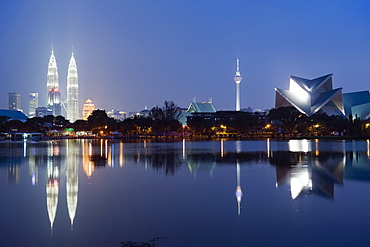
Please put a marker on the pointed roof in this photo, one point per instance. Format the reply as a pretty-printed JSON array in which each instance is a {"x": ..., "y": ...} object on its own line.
[
  {"x": 323, "y": 99},
  {"x": 311, "y": 85},
  {"x": 295, "y": 100},
  {"x": 317, "y": 94},
  {"x": 202, "y": 107}
]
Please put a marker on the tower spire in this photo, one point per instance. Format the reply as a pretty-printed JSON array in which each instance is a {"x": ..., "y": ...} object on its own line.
[
  {"x": 72, "y": 90},
  {"x": 52, "y": 85},
  {"x": 237, "y": 78}
]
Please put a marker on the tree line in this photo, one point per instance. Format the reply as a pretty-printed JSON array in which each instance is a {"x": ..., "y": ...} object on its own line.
[{"x": 164, "y": 120}]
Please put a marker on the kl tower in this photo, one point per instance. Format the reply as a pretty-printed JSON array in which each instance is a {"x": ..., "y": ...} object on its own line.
[{"x": 237, "y": 78}]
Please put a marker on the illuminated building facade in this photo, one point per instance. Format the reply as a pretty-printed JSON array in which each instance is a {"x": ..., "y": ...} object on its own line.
[
  {"x": 311, "y": 96},
  {"x": 33, "y": 104},
  {"x": 14, "y": 101},
  {"x": 53, "y": 93},
  {"x": 237, "y": 78},
  {"x": 318, "y": 96},
  {"x": 89, "y": 107},
  {"x": 72, "y": 91}
]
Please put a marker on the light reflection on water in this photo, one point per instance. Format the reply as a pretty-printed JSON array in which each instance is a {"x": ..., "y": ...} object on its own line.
[{"x": 100, "y": 187}]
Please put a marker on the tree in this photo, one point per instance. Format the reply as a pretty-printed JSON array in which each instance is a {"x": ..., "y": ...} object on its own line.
[
  {"x": 199, "y": 125},
  {"x": 99, "y": 122},
  {"x": 166, "y": 117},
  {"x": 243, "y": 123},
  {"x": 287, "y": 117},
  {"x": 60, "y": 120},
  {"x": 80, "y": 125},
  {"x": 3, "y": 120}
]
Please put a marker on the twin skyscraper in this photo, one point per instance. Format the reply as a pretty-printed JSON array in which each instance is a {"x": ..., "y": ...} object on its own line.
[{"x": 54, "y": 101}]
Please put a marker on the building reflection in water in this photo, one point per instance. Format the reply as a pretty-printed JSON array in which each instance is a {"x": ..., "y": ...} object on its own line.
[
  {"x": 86, "y": 154},
  {"x": 222, "y": 149},
  {"x": 101, "y": 153},
  {"x": 307, "y": 171},
  {"x": 306, "y": 166},
  {"x": 72, "y": 178},
  {"x": 299, "y": 146},
  {"x": 13, "y": 173},
  {"x": 52, "y": 180},
  {"x": 238, "y": 192},
  {"x": 33, "y": 169},
  {"x": 183, "y": 149}
]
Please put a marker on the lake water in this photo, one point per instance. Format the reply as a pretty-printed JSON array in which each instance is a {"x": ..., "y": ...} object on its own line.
[{"x": 186, "y": 193}]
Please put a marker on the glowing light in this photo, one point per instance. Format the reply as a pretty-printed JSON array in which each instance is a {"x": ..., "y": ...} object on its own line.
[
  {"x": 238, "y": 146},
  {"x": 300, "y": 182},
  {"x": 120, "y": 154},
  {"x": 222, "y": 148},
  {"x": 106, "y": 149},
  {"x": 297, "y": 90},
  {"x": 24, "y": 148},
  {"x": 299, "y": 145},
  {"x": 183, "y": 149}
]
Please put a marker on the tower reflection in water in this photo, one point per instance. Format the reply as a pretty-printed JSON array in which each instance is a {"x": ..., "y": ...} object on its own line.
[
  {"x": 54, "y": 163},
  {"x": 52, "y": 181},
  {"x": 72, "y": 179},
  {"x": 306, "y": 166}
]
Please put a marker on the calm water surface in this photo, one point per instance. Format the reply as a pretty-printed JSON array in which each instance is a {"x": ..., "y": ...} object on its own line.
[{"x": 186, "y": 193}]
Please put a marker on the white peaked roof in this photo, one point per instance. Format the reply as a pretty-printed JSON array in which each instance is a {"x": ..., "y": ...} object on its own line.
[{"x": 311, "y": 96}]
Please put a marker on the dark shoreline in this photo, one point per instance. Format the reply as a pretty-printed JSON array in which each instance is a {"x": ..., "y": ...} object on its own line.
[{"x": 197, "y": 138}]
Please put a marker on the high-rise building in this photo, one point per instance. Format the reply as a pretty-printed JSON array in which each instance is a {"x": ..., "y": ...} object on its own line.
[
  {"x": 237, "y": 79},
  {"x": 89, "y": 107},
  {"x": 15, "y": 101},
  {"x": 72, "y": 91},
  {"x": 43, "y": 111},
  {"x": 33, "y": 104},
  {"x": 53, "y": 94}
]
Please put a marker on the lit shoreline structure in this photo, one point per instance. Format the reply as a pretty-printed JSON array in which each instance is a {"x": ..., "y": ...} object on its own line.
[
  {"x": 53, "y": 94},
  {"x": 72, "y": 91},
  {"x": 237, "y": 78}
]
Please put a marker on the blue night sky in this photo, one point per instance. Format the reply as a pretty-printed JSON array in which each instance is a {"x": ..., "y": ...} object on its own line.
[{"x": 132, "y": 54}]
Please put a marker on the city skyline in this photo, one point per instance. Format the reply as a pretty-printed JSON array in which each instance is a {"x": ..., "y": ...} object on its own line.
[{"x": 181, "y": 50}]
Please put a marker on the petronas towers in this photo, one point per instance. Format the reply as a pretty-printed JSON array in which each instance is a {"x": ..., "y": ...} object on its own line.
[
  {"x": 54, "y": 102},
  {"x": 53, "y": 94},
  {"x": 72, "y": 91}
]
